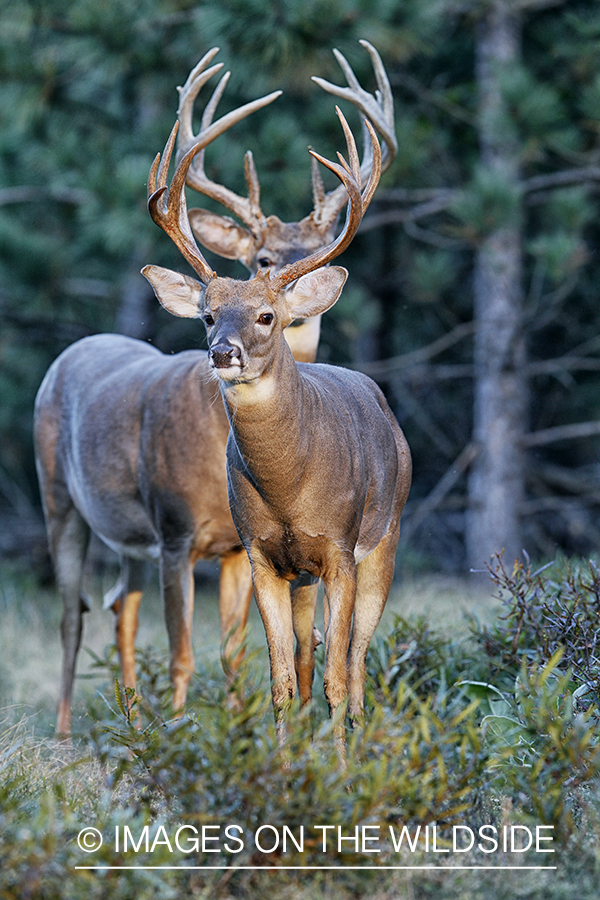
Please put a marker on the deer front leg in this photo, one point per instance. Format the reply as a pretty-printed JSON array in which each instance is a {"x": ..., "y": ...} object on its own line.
[
  {"x": 177, "y": 588},
  {"x": 235, "y": 593},
  {"x": 274, "y": 604},
  {"x": 304, "y": 603}
]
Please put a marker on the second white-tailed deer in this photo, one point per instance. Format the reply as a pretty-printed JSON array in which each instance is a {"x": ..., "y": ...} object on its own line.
[
  {"x": 318, "y": 468},
  {"x": 265, "y": 242},
  {"x": 119, "y": 455}
]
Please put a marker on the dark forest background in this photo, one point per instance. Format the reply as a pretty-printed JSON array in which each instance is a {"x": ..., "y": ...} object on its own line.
[{"x": 474, "y": 290}]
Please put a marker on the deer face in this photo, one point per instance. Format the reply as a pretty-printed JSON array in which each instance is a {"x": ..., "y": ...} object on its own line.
[
  {"x": 245, "y": 320},
  {"x": 273, "y": 246},
  {"x": 241, "y": 320}
]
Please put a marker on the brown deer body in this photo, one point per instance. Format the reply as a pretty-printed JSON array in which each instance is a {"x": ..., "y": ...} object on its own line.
[
  {"x": 118, "y": 454},
  {"x": 318, "y": 468},
  {"x": 319, "y": 472}
]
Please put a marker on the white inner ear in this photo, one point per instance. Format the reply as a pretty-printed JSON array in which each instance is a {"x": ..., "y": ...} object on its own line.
[
  {"x": 222, "y": 235},
  {"x": 180, "y": 295},
  {"x": 316, "y": 292}
]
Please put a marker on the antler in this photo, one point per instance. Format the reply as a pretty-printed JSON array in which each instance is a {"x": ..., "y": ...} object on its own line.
[
  {"x": 245, "y": 208},
  {"x": 349, "y": 174},
  {"x": 168, "y": 207},
  {"x": 378, "y": 109}
]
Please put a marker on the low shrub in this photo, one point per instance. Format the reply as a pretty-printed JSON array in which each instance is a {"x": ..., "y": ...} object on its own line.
[{"x": 487, "y": 726}]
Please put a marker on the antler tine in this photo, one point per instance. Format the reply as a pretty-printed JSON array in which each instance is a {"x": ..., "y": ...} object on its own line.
[
  {"x": 187, "y": 95},
  {"x": 378, "y": 109},
  {"x": 352, "y": 167},
  {"x": 247, "y": 209},
  {"x": 349, "y": 175},
  {"x": 196, "y": 172},
  {"x": 376, "y": 169},
  {"x": 253, "y": 185},
  {"x": 384, "y": 94},
  {"x": 317, "y": 188},
  {"x": 168, "y": 208}
]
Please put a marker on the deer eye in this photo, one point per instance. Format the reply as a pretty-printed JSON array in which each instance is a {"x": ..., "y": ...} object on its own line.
[
  {"x": 265, "y": 319},
  {"x": 264, "y": 262},
  {"x": 208, "y": 319}
]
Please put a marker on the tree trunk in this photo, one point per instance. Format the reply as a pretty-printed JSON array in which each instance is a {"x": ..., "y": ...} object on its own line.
[{"x": 496, "y": 482}]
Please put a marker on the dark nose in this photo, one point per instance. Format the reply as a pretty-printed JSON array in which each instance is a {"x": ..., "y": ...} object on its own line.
[{"x": 223, "y": 354}]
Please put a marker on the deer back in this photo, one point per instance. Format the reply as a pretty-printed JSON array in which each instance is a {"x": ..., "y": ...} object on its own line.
[{"x": 114, "y": 424}]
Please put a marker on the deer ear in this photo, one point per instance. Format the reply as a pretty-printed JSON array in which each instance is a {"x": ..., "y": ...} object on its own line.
[
  {"x": 316, "y": 292},
  {"x": 303, "y": 338},
  {"x": 222, "y": 235},
  {"x": 180, "y": 295}
]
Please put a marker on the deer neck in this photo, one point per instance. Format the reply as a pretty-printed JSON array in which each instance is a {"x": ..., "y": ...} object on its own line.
[{"x": 268, "y": 421}]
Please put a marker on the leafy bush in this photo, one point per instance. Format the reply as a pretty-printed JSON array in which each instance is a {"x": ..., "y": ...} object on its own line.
[
  {"x": 414, "y": 652},
  {"x": 554, "y": 608}
]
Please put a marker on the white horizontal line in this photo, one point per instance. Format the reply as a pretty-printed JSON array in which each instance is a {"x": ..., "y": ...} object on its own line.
[{"x": 340, "y": 868}]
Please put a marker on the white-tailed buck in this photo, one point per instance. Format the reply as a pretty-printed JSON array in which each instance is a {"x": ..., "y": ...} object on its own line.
[
  {"x": 130, "y": 443},
  {"x": 318, "y": 468}
]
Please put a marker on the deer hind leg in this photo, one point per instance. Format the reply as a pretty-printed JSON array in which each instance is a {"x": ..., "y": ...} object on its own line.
[
  {"x": 235, "y": 593},
  {"x": 304, "y": 604},
  {"x": 177, "y": 589},
  {"x": 69, "y": 538},
  {"x": 374, "y": 580},
  {"x": 338, "y": 606},
  {"x": 124, "y": 600}
]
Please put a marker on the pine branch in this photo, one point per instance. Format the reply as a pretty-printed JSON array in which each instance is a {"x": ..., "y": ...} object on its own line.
[
  {"x": 433, "y": 98},
  {"x": 524, "y": 5},
  {"x": 562, "y": 504},
  {"x": 561, "y": 179},
  {"x": 386, "y": 367},
  {"x": 563, "y": 364},
  {"x": 438, "y": 202},
  {"x": 567, "y": 479},
  {"x": 43, "y": 330},
  {"x": 433, "y": 238}
]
